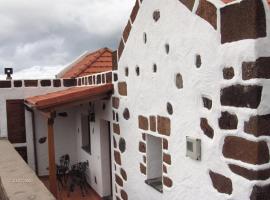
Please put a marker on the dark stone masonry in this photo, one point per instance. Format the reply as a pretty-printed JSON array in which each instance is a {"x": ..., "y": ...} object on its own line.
[
  {"x": 207, "y": 103},
  {"x": 237, "y": 148},
  {"x": 258, "y": 125},
  {"x": 250, "y": 174},
  {"x": 143, "y": 122},
  {"x": 164, "y": 125},
  {"x": 237, "y": 25},
  {"x": 208, "y": 12},
  {"x": 258, "y": 69},
  {"x": 5, "y": 84},
  {"x": 260, "y": 193},
  {"x": 228, "y": 73},
  {"x": 188, "y": 3},
  {"x": 221, "y": 183},
  {"x": 228, "y": 121},
  {"x": 241, "y": 96},
  {"x": 153, "y": 123},
  {"x": 122, "y": 88},
  {"x": 206, "y": 128}
]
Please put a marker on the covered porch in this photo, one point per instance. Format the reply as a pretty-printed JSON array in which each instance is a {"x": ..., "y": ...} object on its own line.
[{"x": 68, "y": 114}]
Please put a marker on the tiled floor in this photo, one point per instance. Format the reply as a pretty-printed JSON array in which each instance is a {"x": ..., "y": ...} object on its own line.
[{"x": 76, "y": 195}]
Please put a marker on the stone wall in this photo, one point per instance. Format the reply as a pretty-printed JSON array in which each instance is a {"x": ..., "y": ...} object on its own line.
[{"x": 196, "y": 68}]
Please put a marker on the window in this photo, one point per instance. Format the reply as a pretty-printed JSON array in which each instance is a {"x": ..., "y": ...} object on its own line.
[
  {"x": 85, "y": 131},
  {"x": 154, "y": 162}
]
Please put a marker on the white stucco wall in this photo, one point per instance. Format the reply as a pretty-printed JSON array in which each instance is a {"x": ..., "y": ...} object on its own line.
[
  {"x": 188, "y": 35},
  {"x": 64, "y": 139},
  {"x": 98, "y": 158}
]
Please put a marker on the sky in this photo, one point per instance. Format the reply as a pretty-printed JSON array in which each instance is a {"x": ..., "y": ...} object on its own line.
[{"x": 38, "y": 38}]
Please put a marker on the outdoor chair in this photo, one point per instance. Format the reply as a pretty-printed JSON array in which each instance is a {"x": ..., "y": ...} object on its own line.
[
  {"x": 77, "y": 177},
  {"x": 62, "y": 170}
]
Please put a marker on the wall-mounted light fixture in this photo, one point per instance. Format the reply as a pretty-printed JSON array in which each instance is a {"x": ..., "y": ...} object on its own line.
[{"x": 8, "y": 72}]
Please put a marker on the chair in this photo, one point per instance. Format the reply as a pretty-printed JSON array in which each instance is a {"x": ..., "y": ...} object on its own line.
[
  {"x": 78, "y": 177},
  {"x": 62, "y": 170}
]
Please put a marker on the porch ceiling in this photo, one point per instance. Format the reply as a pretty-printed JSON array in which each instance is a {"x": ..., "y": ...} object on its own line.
[{"x": 69, "y": 96}]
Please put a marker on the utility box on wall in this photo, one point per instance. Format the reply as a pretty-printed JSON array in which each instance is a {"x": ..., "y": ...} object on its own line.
[{"x": 193, "y": 148}]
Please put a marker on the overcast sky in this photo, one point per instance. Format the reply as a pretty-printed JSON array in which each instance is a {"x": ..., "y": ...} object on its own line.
[{"x": 42, "y": 36}]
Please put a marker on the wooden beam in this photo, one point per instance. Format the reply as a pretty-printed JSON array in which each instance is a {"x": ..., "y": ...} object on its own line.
[{"x": 51, "y": 151}]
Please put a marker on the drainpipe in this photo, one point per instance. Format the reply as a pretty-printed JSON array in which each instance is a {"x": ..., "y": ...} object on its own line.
[{"x": 34, "y": 135}]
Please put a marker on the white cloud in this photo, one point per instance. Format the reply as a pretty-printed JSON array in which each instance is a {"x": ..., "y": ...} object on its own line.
[{"x": 54, "y": 32}]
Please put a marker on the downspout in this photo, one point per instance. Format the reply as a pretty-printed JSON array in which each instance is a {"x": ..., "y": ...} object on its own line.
[{"x": 34, "y": 135}]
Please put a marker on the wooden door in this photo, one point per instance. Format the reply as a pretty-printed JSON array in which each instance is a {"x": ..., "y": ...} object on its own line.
[
  {"x": 16, "y": 121},
  {"x": 16, "y": 126}
]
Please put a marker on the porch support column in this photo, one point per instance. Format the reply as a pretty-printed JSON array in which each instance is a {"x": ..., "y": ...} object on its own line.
[{"x": 51, "y": 153}]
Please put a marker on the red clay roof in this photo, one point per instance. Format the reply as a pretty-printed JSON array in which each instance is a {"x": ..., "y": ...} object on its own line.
[
  {"x": 95, "y": 62},
  {"x": 68, "y": 96}
]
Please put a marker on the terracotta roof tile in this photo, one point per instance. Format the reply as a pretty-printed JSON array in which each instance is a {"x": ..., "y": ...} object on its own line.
[
  {"x": 68, "y": 96},
  {"x": 97, "y": 59}
]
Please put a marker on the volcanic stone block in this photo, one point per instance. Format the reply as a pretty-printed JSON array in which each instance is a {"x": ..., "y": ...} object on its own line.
[
  {"x": 207, "y": 103},
  {"x": 188, "y": 3},
  {"x": 228, "y": 73},
  {"x": 45, "y": 83},
  {"x": 126, "y": 114},
  {"x": 120, "y": 48},
  {"x": 258, "y": 125},
  {"x": 206, "y": 128},
  {"x": 142, "y": 147},
  {"x": 179, "y": 81},
  {"x": 237, "y": 148},
  {"x": 169, "y": 108},
  {"x": 115, "y": 77},
  {"x": 30, "y": 83},
  {"x": 228, "y": 121},
  {"x": 114, "y": 142},
  {"x": 142, "y": 168},
  {"x": 115, "y": 102},
  {"x": 143, "y": 122},
  {"x": 69, "y": 82},
  {"x": 118, "y": 180},
  {"x": 17, "y": 83},
  {"x": 116, "y": 128},
  {"x": 144, "y": 159},
  {"x": 167, "y": 181},
  {"x": 244, "y": 20},
  {"x": 122, "y": 88},
  {"x": 123, "y": 174},
  {"x": 117, "y": 157},
  {"x": 260, "y": 193},
  {"x": 165, "y": 144},
  {"x": 167, "y": 158},
  {"x": 164, "y": 125},
  {"x": 208, "y": 12},
  {"x": 114, "y": 61},
  {"x": 144, "y": 136},
  {"x": 56, "y": 83},
  {"x": 156, "y": 15},
  {"x": 153, "y": 123},
  {"x": 127, "y": 31},
  {"x": 124, "y": 195},
  {"x": 134, "y": 11},
  {"x": 221, "y": 183},
  {"x": 258, "y": 69},
  {"x": 241, "y": 96},
  {"x": 250, "y": 174},
  {"x": 165, "y": 169},
  {"x": 122, "y": 145},
  {"x": 109, "y": 77}
]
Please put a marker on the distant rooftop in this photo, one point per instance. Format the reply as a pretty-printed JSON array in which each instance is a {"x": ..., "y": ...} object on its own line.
[{"x": 89, "y": 63}]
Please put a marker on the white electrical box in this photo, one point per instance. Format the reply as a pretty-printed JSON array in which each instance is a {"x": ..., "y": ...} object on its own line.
[{"x": 193, "y": 148}]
